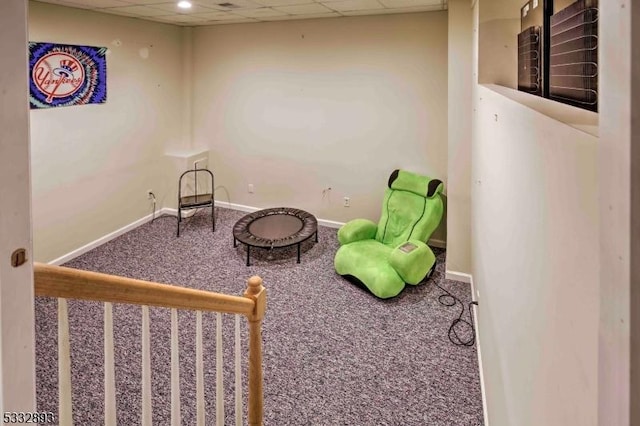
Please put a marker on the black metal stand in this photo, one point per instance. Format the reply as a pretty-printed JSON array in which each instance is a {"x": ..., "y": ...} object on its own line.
[{"x": 196, "y": 200}]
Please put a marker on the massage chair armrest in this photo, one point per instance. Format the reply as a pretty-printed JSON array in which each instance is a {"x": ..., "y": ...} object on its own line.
[
  {"x": 412, "y": 261},
  {"x": 357, "y": 230}
]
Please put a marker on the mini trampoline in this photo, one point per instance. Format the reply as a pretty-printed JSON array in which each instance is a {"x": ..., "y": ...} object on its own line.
[{"x": 277, "y": 227}]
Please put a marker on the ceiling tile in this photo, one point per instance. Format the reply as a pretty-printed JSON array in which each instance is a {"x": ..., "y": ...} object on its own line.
[
  {"x": 66, "y": 3},
  {"x": 173, "y": 8},
  {"x": 210, "y": 12},
  {"x": 119, "y": 13},
  {"x": 272, "y": 3},
  {"x": 218, "y": 16},
  {"x": 304, "y": 9},
  {"x": 107, "y": 3},
  {"x": 259, "y": 13},
  {"x": 207, "y": 3},
  {"x": 233, "y": 21},
  {"x": 50, "y": 1},
  {"x": 237, "y": 4},
  {"x": 347, "y": 5},
  {"x": 411, "y": 3},
  {"x": 180, "y": 18},
  {"x": 179, "y": 24},
  {"x": 146, "y": 2},
  {"x": 310, "y": 16},
  {"x": 146, "y": 11},
  {"x": 415, "y": 9}
]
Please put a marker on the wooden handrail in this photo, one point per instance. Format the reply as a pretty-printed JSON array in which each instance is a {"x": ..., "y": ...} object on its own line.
[{"x": 68, "y": 283}]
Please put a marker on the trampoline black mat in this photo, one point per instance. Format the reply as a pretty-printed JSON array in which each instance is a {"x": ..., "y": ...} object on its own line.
[{"x": 275, "y": 228}]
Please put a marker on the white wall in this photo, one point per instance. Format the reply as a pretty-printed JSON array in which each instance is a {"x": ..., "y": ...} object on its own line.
[
  {"x": 17, "y": 354},
  {"x": 459, "y": 153},
  {"x": 499, "y": 25},
  {"x": 92, "y": 165},
  {"x": 535, "y": 248},
  {"x": 329, "y": 109},
  {"x": 295, "y": 107},
  {"x": 619, "y": 361},
  {"x": 535, "y": 242},
  {"x": 535, "y": 264}
]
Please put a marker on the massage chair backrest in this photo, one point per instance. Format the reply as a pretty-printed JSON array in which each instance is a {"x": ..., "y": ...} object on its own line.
[{"x": 412, "y": 208}]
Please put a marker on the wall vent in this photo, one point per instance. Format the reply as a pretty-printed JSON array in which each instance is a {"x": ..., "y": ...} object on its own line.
[
  {"x": 574, "y": 55},
  {"x": 529, "y": 64},
  {"x": 558, "y": 51}
]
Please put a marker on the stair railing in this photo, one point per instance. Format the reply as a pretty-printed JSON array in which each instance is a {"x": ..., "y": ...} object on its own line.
[{"x": 66, "y": 283}]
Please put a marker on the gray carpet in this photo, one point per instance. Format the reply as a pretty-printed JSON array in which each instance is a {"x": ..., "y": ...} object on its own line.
[{"x": 333, "y": 353}]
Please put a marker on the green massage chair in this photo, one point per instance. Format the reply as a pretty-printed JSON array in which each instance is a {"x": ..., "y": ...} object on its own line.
[{"x": 385, "y": 256}]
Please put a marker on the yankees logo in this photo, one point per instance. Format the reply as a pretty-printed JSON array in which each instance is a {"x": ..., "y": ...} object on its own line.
[{"x": 58, "y": 75}]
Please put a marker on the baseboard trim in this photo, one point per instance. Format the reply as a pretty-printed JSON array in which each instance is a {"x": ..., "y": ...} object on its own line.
[
  {"x": 97, "y": 243},
  {"x": 324, "y": 222},
  {"x": 330, "y": 223},
  {"x": 250, "y": 209},
  {"x": 234, "y": 206},
  {"x": 437, "y": 243},
  {"x": 174, "y": 212},
  {"x": 458, "y": 276},
  {"x": 169, "y": 211},
  {"x": 483, "y": 389}
]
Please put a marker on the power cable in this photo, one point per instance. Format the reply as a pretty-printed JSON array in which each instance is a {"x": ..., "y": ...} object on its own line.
[{"x": 450, "y": 300}]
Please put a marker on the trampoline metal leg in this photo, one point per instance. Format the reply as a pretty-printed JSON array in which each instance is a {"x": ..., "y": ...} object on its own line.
[
  {"x": 235, "y": 242},
  {"x": 316, "y": 236},
  {"x": 248, "y": 249},
  {"x": 298, "y": 253}
]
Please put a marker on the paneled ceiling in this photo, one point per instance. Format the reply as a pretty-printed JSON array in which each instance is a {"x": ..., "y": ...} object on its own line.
[{"x": 214, "y": 12}]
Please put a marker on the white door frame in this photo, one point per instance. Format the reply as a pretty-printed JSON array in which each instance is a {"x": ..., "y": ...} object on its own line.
[
  {"x": 635, "y": 215},
  {"x": 17, "y": 354}
]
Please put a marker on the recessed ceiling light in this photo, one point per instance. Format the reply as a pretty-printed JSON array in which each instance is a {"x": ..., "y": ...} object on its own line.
[{"x": 184, "y": 4}]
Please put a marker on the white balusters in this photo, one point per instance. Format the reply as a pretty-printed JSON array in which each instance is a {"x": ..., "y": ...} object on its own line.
[
  {"x": 238, "y": 373},
  {"x": 109, "y": 368},
  {"x": 64, "y": 283},
  {"x": 175, "y": 370},
  {"x": 64, "y": 365},
  {"x": 200, "y": 419},
  {"x": 146, "y": 368},
  {"x": 219, "y": 381},
  {"x": 110, "y": 414}
]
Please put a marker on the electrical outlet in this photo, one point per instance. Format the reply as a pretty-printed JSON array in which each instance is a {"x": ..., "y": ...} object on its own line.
[
  {"x": 250, "y": 188},
  {"x": 347, "y": 202},
  {"x": 150, "y": 194}
]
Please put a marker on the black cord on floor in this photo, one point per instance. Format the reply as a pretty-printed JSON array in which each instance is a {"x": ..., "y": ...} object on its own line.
[{"x": 449, "y": 300}]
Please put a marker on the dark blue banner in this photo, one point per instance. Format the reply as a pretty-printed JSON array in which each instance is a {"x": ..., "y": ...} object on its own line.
[{"x": 66, "y": 75}]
